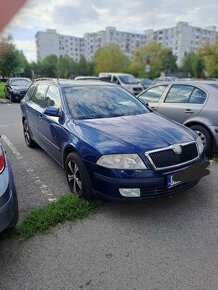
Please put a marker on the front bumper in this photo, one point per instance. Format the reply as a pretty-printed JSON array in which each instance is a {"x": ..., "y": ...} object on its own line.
[
  {"x": 17, "y": 96},
  {"x": 214, "y": 132},
  {"x": 152, "y": 184},
  {"x": 7, "y": 198}
]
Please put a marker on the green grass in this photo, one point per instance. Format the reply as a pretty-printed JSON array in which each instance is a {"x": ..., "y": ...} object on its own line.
[
  {"x": 66, "y": 208},
  {"x": 2, "y": 94}
]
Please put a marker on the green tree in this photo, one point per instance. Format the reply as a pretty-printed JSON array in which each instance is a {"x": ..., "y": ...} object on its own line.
[
  {"x": 110, "y": 58},
  {"x": 10, "y": 59},
  {"x": 161, "y": 60},
  {"x": 49, "y": 66},
  {"x": 168, "y": 60},
  {"x": 66, "y": 66},
  {"x": 209, "y": 55},
  {"x": 193, "y": 64}
]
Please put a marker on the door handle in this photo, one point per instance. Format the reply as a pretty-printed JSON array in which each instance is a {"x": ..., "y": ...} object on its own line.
[
  {"x": 153, "y": 108},
  {"x": 188, "y": 111}
]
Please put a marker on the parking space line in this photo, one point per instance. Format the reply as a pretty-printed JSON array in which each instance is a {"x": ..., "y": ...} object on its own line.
[
  {"x": 42, "y": 186},
  {"x": 12, "y": 147}
]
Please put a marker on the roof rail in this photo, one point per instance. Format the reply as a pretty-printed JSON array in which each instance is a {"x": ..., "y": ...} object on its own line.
[{"x": 47, "y": 79}]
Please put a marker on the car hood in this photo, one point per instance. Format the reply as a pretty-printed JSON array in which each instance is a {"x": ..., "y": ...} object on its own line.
[{"x": 138, "y": 133}]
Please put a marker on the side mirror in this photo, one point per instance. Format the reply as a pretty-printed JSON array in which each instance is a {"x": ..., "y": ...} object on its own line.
[{"x": 52, "y": 111}]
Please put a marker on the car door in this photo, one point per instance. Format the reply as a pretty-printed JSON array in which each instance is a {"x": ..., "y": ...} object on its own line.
[
  {"x": 152, "y": 96},
  {"x": 50, "y": 127},
  {"x": 182, "y": 102},
  {"x": 34, "y": 110}
]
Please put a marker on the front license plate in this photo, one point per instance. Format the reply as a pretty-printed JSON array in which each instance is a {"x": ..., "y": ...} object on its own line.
[{"x": 171, "y": 182}]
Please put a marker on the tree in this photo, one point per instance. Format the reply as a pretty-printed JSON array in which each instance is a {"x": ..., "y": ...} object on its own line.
[
  {"x": 50, "y": 66},
  {"x": 66, "y": 67},
  {"x": 209, "y": 55},
  {"x": 160, "y": 59},
  {"x": 193, "y": 64},
  {"x": 110, "y": 58},
  {"x": 168, "y": 61},
  {"x": 10, "y": 59}
]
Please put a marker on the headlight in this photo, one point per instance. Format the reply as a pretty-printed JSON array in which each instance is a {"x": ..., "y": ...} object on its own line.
[
  {"x": 121, "y": 161},
  {"x": 200, "y": 145}
]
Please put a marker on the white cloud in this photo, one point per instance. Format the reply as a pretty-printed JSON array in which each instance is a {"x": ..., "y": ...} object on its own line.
[
  {"x": 28, "y": 47},
  {"x": 75, "y": 17}
]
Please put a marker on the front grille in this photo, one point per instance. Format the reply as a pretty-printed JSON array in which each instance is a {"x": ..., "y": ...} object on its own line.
[
  {"x": 168, "y": 157},
  {"x": 163, "y": 191}
]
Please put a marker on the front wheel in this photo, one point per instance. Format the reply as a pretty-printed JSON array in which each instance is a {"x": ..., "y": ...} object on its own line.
[
  {"x": 29, "y": 141},
  {"x": 77, "y": 176},
  {"x": 205, "y": 137}
]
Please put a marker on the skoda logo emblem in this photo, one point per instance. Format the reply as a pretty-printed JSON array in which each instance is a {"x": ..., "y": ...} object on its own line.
[{"x": 177, "y": 149}]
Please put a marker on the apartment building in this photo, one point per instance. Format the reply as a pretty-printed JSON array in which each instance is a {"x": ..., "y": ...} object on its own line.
[
  {"x": 50, "y": 42},
  {"x": 181, "y": 38}
]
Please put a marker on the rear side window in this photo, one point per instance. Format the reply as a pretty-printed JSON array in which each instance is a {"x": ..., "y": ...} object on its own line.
[
  {"x": 198, "y": 96},
  {"x": 153, "y": 95},
  {"x": 53, "y": 98},
  {"x": 179, "y": 94},
  {"x": 38, "y": 96}
]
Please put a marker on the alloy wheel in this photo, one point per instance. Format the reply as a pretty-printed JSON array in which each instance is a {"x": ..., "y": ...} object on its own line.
[
  {"x": 202, "y": 136},
  {"x": 26, "y": 132},
  {"x": 74, "y": 177}
]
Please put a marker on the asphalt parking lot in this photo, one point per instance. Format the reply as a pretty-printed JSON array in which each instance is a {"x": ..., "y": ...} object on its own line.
[{"x": 169, "y": 243}]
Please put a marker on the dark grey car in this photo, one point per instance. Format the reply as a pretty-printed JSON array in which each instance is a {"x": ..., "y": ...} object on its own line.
[{"x": 192, "y": 103}]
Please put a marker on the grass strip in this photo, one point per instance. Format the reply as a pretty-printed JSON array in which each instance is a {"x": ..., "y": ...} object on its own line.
[
  {"x": 66, "y": 208},
  {"x": 215, "y": 158},
  {"x": 2, "y": 93}
]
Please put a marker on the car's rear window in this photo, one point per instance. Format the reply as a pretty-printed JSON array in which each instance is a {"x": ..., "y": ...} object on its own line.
[{"x": 91, "y": 102}]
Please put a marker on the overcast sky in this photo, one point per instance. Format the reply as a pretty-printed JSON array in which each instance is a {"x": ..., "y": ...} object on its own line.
[{"x": 75, "y": 17}]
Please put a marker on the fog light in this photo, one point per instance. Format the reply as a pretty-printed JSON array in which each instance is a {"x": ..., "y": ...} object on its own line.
[{"x": 130, "y": 192}]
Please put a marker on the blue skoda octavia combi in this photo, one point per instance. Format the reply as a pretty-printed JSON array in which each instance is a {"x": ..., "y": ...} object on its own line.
[{"x": 109, "y": 143}]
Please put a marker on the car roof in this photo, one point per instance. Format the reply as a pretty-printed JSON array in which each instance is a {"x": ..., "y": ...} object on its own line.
[
  {"x": 68, "y": 83},
  {"x": 193, "y": 83}
]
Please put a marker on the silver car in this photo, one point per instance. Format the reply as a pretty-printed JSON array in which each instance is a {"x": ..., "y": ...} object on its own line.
[{"x": 192, "y": 103}]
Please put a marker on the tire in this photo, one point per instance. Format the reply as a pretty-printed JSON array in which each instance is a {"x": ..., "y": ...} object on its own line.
[
  {"x": 29, "y": 141},
  {"x": 77, "y": 176},
  {"x": 205, "y": 137}
]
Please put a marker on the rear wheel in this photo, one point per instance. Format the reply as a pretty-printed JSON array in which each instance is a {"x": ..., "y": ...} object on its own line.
[
  {"x": 77, "y": 176},
  {"x": 29, "y": 141},
  {"x": 205, "y": 137}
]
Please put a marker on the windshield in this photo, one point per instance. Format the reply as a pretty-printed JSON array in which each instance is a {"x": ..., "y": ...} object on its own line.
[
  {"x": 128, "y": 79},
  {"x": 92, "y": 102},
  {"x": 21, "y": 82}
]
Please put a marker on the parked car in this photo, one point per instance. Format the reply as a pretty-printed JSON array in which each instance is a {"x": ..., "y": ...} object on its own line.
[
  {"x": 79, "y": 78},
  {"x": 126, "y": 81},
  {"x": 16, "y": 88},
  {"x": 8, "y": 195},
  {"x": 165, "y": 79},
  {"x": 109, "y": 143},
  {"x": 146, "y": 83},
  {"x": 192, "y": 103}
]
